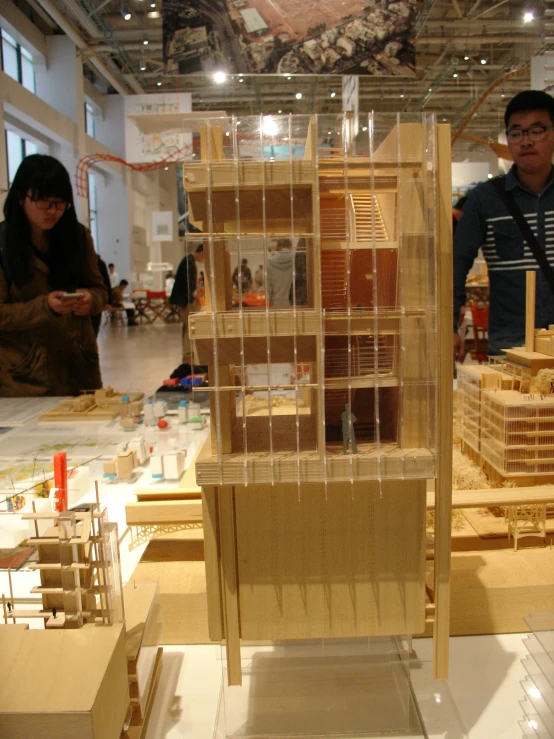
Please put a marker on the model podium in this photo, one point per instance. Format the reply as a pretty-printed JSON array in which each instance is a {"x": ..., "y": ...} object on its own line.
[{"x": 330, "y": 410}]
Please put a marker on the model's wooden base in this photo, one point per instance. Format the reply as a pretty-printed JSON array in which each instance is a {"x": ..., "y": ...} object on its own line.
[{"x": 285, "y": 562}]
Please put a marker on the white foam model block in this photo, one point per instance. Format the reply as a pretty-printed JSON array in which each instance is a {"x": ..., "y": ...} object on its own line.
[
  {"x": 183, "y": 414},
  {"x": 174, "y": 465},
  {"x": 193, "y": 407},
  {"x": 156, "y": 466},
  {"x": 140, "y": 447},
  {"x": 160, "y": 408},
  {"x": 149, "y": 416}
]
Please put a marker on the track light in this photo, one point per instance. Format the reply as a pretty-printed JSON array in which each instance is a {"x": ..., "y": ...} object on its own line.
[
  {"x": 159, "y": 84},
  {"x": 145, "y": 41},
  {"x": 333, "y": 94},
  {"x": 484, "y": 60},
  {"x": 142, "y": 64},
  {"x": 528, "y": 16},
  {"x": 466, "y": 57},
  {"x": 219, "y": 77},
  {"x": 125, "y": 12},
  {"x": 298, "y": 96}
]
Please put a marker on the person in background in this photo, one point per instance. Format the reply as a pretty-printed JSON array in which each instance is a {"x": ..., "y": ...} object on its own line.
[
  {"x": 47, "y": 343},
  {"x": 184, "y": 293},
  {"x": 487, "y": 223},
  {"x": 279, "y": 275},
  {"x": 117, "y": 302},
  {"x": 114, "y": 277},
  {"x": 169, "y": 282},
  {"x": 259, "y": 277},
  {"x": 245, "y": 276}
]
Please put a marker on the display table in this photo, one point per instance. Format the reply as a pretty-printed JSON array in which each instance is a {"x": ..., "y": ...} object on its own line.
[{"x": 65, "y": 684}]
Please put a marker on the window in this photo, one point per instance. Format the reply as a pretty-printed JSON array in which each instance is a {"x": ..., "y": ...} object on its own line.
[
  {"x": 93, "y": 209},
  {"x": 17, "y": 62},
  {"x": 89, "y": 119},
  {"x": 16, "y": 149}
]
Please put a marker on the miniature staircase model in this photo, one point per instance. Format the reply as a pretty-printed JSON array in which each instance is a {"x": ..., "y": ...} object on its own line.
[{"x": 368, "y": 218}]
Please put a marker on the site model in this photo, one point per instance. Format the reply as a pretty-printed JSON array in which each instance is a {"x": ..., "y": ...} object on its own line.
[{"x": 330, "y": 400}]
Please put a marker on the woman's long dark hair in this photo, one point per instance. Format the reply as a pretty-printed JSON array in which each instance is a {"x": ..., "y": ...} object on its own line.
[{"x": 42, "y": 176}]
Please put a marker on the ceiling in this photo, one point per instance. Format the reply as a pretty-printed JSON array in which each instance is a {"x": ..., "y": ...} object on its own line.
[{"x": 453, "y": 36}]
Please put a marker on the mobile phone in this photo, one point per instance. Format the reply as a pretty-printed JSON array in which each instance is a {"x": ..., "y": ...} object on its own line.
[{"x": 72, "y": 296}]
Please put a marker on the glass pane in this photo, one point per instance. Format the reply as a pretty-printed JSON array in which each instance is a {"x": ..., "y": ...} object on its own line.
[
  {"x": 27, "y": 71},
  {"x": 89, "y": 119},
  {"x": 30, "y": 148},
  {"x": 9, "y": 56},
  {"x": 14, "y": 151}
]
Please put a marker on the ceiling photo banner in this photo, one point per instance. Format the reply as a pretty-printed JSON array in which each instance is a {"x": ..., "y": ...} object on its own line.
[{"x": 289, "y": 36}]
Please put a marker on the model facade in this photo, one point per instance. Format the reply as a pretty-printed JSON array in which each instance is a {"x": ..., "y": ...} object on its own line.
[{"x": 307, "y": 536}]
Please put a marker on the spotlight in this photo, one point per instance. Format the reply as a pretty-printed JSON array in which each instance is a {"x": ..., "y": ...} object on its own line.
[
  {"x": 333, "y": 94},
  {"x": 455, "y": 75},
  {"x": 159, "y": 84},
  {"x": 298, "y": 96},
  {"x": 241, "y": 79},
  {"x": 219, "y": 77},
  {"x": 152, "y": 5},
  {"x": 279, "y": 112},
  {"x": 489, "y": 176},
  {"x": 528, "y": 16},
  {"x": 484, "y": 60},
  {"x": 142, "y": 64},
  {"x": 466, "y": 57},
  {"x": 289, "y": 77},
  {"x": 270, "y": 127},
  {"x": 126, "y": 13},
  {"x": 145, "y": 41},
  {"x": 401, "y": 94},
  {"x": 364, "y": 128}
]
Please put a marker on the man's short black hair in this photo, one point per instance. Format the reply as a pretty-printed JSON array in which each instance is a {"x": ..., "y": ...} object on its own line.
[
  {"x": 200, "y": 248},
  {"x": 111, "y": 264},
  {"x": 123, "y": 282},
  {"x": 529, "y": 100}
]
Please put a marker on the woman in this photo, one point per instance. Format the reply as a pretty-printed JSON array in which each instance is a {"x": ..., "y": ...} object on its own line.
[{"x": 47, "y": 344}]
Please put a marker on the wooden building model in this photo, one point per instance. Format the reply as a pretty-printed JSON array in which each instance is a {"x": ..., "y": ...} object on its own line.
[{"x": 314, "y": 489}]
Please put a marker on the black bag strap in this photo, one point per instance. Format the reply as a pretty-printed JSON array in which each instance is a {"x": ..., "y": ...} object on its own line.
[{"x": 499, "y": 184}]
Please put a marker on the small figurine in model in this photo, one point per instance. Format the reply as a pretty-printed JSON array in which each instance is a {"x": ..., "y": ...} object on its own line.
[{"x": 348, "y": 420}]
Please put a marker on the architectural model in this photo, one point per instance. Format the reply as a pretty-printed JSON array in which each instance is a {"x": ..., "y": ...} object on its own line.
[
  {"x": 301, "y": 538},
  {"x": 101, "y": 405}
]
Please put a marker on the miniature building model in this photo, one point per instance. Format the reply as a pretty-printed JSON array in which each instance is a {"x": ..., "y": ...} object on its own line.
[
  {"x": 302, "y": 539},
  {"x": 102, "y": 405}
]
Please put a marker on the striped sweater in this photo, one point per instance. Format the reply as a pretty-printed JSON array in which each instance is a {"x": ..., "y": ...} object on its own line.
[{"x": 487, "y": 224}]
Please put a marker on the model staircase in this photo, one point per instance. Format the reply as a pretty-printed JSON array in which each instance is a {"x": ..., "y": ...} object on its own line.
[
  {"x": 332, "y": 220},
  {"x": 368, "y": 218},
  {"x": 333, "y": 279}
]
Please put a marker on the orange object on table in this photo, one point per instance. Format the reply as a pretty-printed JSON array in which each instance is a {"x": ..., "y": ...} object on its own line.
[{"x": 60, "y": 481}]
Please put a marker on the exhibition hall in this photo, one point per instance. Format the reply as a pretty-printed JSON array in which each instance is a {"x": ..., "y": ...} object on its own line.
[{"x": 276, "y": 369}]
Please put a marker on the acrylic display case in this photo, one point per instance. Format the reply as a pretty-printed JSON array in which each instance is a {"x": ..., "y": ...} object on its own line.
[
  {"x": 326, "y": 389},
  {"x": 538, "y": 704}
]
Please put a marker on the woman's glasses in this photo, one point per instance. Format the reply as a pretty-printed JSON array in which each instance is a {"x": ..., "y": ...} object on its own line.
[{"x": 46, "y": 204}]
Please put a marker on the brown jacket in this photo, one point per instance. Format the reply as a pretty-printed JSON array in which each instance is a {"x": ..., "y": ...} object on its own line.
[{"x": 42, "y": 353}]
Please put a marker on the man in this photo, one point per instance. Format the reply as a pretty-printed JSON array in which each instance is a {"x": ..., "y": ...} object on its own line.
[
  {"x": 487, "y": 223},
  {"x": 184, "y": 293},
  {"x": 279, "y": 275},
  {"x": 117, "y": 299},
  {"x": 245, "y": 276},
  {"x": 114, "y": 277}
]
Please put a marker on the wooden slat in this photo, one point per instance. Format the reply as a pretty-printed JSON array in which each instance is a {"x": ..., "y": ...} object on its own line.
[
  {"x": 443, "y": 503},
  {"x": 229, "y": 577}
]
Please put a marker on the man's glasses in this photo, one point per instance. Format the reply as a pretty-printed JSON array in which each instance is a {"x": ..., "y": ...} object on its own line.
[
  {"x": 60, "y": 205},
  {"x": 535, "y": 133}
]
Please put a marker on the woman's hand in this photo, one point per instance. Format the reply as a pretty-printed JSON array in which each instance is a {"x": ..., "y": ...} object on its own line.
[
  {"x": 83, "y": 306},
  {"x": 59, "y": 306}
]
